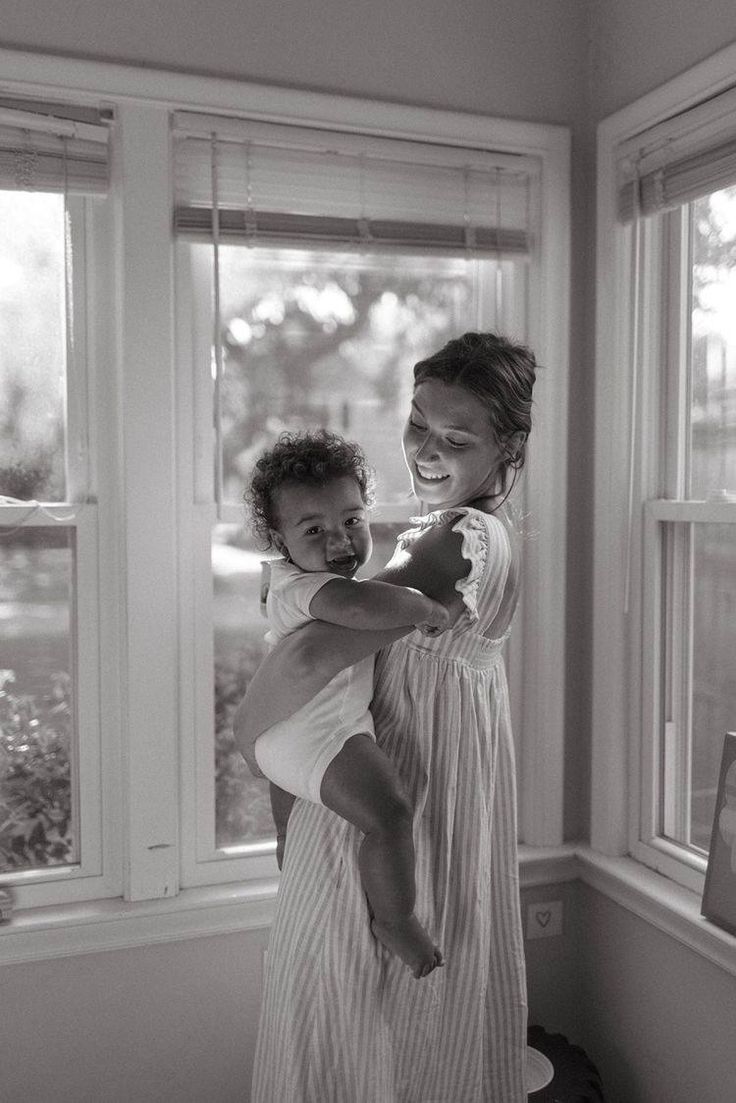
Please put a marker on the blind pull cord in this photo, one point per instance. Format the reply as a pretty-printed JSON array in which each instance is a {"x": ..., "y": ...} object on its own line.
[{"x": 217, "y": 324}]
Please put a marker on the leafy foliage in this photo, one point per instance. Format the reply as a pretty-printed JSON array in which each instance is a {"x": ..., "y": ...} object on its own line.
[
  {"x": 36, "y": 804},
  {"x": 243, "y": 808}
]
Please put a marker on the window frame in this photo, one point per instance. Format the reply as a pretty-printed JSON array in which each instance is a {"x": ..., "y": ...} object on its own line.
[
  {"x": 537, "y": 693},
  {"x": 145, "y": 579},
  {"x": 202, "y": 862},
  {"x": 95, "y": 874},
  {"x": 628, "y": 653}
]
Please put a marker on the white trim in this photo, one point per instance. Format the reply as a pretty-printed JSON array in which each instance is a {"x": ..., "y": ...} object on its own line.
[
  {"x": 50, "y": 933},
  {"x": 53, "y": 932},
  {"x": 150, "y": 714},
  {"x": 545, "y": 558},
  {"x": 609, "y": 753},
  {"x": 93, "y": 80},
  {"x": 704, "y": 513}
]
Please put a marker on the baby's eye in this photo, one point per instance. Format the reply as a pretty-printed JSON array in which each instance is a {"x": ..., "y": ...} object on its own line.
[
  {"x": 415, "y": 424},
  {"x": 352, "y": 521},
  {"x": 312, "y": 531},
  {"x": 457, "y": 443}
]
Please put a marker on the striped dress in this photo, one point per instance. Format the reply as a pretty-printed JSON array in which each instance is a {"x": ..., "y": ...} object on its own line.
[{"x": 344, "y": 1021}]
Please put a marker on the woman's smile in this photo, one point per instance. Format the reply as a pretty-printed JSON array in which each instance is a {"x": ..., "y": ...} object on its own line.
[
  {"x": 433, "y": 476},
  {"x": 450, "y": 447}
]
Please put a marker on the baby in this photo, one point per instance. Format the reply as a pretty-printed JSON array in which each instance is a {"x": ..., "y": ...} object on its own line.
[{"x": 309, "y": 499}]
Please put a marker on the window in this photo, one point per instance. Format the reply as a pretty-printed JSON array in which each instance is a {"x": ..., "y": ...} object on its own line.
[
  {"x": 128, "y": 584},
  {"x": 311, "y": 302},
  {"x": 688, "y": 528},
  {"x": 50, "y": 748},
  {"x": 676, "y": 243}
]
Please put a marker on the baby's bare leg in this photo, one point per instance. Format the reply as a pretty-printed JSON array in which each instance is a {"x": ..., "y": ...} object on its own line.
[{"x": 361, "y": 785}]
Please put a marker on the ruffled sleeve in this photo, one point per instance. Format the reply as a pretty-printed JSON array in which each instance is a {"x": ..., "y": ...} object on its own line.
[{"x": 485, "y": 544}]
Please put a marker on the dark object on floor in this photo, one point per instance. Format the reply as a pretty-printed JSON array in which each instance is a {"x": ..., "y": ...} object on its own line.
[{"x": 576, "y": 1079}]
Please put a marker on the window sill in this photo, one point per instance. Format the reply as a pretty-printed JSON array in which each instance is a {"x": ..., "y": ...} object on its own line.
[
  {"x": 36, "y": 934},
  {"x": 658, "y": 900},
  {"x": 44, "y": 933}
]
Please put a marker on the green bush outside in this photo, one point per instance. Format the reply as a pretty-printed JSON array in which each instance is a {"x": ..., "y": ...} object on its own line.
[{"x": 36, "y": 826}]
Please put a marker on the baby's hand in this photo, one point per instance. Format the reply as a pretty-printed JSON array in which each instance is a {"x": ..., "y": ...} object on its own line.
[{"x": 436, "y": 622}]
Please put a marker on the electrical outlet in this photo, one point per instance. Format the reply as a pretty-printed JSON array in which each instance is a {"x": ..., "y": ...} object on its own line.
[{"x": 544, "y": 919}]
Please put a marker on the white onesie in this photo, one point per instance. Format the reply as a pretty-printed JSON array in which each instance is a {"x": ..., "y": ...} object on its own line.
[{"x": 295, "y": 753}]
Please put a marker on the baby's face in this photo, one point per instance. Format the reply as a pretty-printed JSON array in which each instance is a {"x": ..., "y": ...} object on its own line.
[{"x": 324, "y": 528}]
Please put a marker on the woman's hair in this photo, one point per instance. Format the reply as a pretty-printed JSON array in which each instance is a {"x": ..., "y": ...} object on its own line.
[
  {"x": 312, "y": 458},
  {"x": 501, "y": 375}
]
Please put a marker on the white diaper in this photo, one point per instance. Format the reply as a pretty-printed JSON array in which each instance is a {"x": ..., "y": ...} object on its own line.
[{"x": 295, "y": 753}]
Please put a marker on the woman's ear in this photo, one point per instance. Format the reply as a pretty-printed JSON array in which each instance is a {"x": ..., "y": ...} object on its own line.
[{"x": 513, "y": 445}]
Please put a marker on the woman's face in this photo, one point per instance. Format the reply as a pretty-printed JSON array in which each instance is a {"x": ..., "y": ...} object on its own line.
[{"x": 449, "y": 446}]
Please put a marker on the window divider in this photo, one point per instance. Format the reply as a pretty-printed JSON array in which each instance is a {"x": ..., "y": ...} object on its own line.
[{"x": 147, "y": 389}]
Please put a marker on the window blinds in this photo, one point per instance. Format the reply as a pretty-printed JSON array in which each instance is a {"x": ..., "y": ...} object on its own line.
[
  {"x": 679, "y": 160},
  {"x": 48, "y": 147},
  {"x": 286, "y": 185}
]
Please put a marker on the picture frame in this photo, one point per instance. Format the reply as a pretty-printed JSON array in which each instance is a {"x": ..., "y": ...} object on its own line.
[{"x": 719, "y": 893}]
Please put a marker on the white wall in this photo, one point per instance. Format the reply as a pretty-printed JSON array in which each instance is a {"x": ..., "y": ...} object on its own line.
[
  {"x": 639, "y": 46},
  {"x": 658, "y": 1018},
  {"x": 176, "y": 1023},
  {"x": 172, "y": 1023},
  {"x": 518, "y": 59}
]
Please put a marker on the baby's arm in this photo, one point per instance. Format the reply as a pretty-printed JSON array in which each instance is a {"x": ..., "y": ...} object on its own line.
[
  {"x": 303, "y": 663},
  {"x": 375, "y": 605}
]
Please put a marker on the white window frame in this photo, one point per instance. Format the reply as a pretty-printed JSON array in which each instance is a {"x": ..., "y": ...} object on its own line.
[
  {"x": 96, "y": 873},
  {"x": 202, "y": 862},
  {"x": 628, "y": 643},
  {"x": 146, "y": 579},
  {"x": 536, "y": 666}
]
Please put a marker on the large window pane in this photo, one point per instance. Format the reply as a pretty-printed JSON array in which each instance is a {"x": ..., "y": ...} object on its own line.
[
  {"x": 32, "y": 346},
  {"x": 314, "y": 338},
  {"x": 714, "y": 667},
  {"x": 713, "y": 409},
  {"x": 37, "y": 814},
  {"x": 328, "y": 339},
  {"x": 242, "y": 808}
]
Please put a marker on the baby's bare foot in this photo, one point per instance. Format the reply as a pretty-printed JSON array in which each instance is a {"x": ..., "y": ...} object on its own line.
[{"x": 408, "y": 939}]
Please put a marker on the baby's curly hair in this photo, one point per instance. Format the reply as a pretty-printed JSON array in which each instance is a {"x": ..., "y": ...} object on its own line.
[{"x": 311, "y": 457}]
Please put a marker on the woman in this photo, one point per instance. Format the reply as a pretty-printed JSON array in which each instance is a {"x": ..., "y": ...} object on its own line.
[{"x": 343, "y": 1021}]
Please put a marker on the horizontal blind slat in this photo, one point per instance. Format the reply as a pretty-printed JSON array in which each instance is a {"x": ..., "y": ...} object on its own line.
[
  {"x": 483, "y": 198},
  {"x": 680, "y": 160},
  {"x": 40, "y": 152},
  {"x": 274, "y": 228}
]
